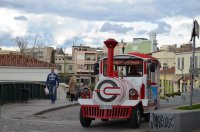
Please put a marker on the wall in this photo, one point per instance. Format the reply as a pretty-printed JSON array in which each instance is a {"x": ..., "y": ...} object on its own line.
[
  {"x": 24, "y": 74},
  {"x": 165, "y": 57},
  {"x": 143, "y": 46},
  {"x": 186, "y": 56},
  {"x": 170, "y": 120}
]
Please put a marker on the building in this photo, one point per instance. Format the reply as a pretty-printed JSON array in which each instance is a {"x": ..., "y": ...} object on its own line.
[
  {"x": 169, "y": 48},
  {"x": 65, "y": 62},
  {"x": 117, "y": 50},
  {"x": 17, "y": 67},
  {"x": 166, "y": 59},
  {"x": 84, "y": 58},
  {"x": 169, "y": 81},
  {"x": 183, "y": 59},
  {"x": 142, "y": 45},
  {"x": 41, "y": 53},
  {"x": 8, "y": 52}
]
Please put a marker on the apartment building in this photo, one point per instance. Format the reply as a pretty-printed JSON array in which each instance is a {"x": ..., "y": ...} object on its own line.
[
  {"x": 166, "y": 59},
  {"x": 142, "y": 45},
  {"x": 84, "y": 58},
  {"x": 41, "y": 53},
  {"x": 119, "y": 49},
  {"x": 65, "y": 62}
]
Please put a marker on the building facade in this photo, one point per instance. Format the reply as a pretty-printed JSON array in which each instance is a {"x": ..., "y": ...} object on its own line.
[
  {"x": 142, "y": 45},
  {"x": 84, "y": 58},
  {"x": 65, "y": 62},
  {"x": 166, "y": 59},
  {"x": 41, "y": 53},
  {"x": 17, "y": 67}
]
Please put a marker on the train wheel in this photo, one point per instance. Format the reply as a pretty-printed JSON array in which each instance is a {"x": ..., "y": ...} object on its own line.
[
  {"x": 85, "y": 122},
  {"x": 147, "y": 117},
  {"x": 134, "y": 120}
]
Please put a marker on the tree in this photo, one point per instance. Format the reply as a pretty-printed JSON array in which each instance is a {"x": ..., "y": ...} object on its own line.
[
  {"x": 21, "y": 43},
  {"x": 53, "y": 56}
]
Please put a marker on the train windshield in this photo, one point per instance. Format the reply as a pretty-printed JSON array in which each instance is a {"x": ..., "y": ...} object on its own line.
[{"x": 127, "y": 67}]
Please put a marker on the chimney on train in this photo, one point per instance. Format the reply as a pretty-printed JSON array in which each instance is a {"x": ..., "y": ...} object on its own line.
[{"x": 110, "y": 44}]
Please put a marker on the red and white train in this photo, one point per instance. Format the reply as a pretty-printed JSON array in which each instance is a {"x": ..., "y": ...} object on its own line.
[{"x": 128, "y": 87}]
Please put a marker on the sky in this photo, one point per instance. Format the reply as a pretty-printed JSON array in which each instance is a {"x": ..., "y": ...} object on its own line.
[{"x": 62, "y": 23}]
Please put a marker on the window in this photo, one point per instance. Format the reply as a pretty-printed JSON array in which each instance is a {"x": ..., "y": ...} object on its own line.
[
  {"x": 195, "y": 62},
  {"x": 182, "y": 63},
  {"x": 70, "y": 68},
  {"x": 131, "y": 68},
  {"x": 178, "y": 63}
]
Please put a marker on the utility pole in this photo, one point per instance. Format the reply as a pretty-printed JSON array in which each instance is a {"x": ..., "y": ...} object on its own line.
[
  {"x": 195, "y": 32},
  {"x": 192, "y": 83}
]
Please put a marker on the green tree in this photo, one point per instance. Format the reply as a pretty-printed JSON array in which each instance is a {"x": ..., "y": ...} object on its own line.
[{"x": 53, "y": 56}]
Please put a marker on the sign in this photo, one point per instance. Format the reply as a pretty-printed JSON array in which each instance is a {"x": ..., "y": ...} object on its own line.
[
  {"x": 106, "y": 107},
  {"x": 126, "y": 62}
]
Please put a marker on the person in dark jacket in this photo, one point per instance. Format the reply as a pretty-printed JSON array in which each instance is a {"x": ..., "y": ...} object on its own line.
[{"x": 52, "y": 83}]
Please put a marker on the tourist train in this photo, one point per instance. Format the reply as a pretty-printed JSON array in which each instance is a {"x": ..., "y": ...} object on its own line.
[{"x": 128, "y": 87}]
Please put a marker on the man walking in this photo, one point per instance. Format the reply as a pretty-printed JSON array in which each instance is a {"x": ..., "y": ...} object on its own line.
[{"x": 52, "y": 84}]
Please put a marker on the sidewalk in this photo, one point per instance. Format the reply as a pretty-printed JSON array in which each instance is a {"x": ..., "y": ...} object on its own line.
[{"x": 22, "y": 110}]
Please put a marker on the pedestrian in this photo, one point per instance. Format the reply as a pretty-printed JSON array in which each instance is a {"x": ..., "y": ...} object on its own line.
[
  {"x": 52, "y": 84},
  {"x": 72, "y": 88}
]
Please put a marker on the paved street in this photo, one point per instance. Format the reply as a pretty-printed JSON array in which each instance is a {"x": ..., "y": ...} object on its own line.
[{"x": 62, "y": 117}]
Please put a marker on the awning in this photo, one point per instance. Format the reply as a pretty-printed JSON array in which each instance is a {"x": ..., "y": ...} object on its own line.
[{"x": 177, "y": 78}]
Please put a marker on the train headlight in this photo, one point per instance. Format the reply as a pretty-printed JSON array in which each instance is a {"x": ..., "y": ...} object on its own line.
[
  {"x": 85, "y": 93},
  {"x": 133, "y": 95},
  {"x": 132, "y": 92}
]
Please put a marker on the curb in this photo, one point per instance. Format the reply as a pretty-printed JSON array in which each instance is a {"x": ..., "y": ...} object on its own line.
[{"x": 56, "y": 108}]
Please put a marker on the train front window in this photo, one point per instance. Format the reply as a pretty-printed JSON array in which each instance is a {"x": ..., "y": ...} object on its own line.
[{"x": 129, "y": 68}]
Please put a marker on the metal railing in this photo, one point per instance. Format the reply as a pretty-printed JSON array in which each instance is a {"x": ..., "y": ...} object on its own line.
[{"x": 11, "y": 92}]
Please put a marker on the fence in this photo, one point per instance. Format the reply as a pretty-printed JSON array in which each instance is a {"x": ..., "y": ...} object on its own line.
[{"x": 11, "y": 92}]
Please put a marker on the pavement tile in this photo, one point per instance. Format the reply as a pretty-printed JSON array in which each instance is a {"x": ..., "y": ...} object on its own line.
[{"x": 22, "y": 110}]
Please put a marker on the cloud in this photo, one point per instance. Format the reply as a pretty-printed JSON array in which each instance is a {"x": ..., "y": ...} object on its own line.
[
  {"x": 92, "y": 22},
  {"x": 107, "y": 10},
  {"x": 141, "y": 32},
  {"x": 117, "y": 28},
  {"x": 6, "y": 39},
  {"x": 162, "y": 28},
  {"x": 21, "y": 18}
]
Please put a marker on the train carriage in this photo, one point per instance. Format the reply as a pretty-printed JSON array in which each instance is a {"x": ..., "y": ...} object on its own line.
[{"x": 128, "y": 87}]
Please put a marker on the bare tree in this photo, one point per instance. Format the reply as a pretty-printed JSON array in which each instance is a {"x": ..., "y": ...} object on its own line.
[{"x": 21, "y": 43}]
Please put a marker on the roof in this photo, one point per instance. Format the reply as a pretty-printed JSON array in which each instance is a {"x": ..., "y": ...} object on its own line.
[
  {"x": 177, "y": 78},
  {"x": 60, "y": 52},
  {"x": 168, "y": 71},
  {"x": 141, "y": 55},
  {"x": 19, "y": 60}
]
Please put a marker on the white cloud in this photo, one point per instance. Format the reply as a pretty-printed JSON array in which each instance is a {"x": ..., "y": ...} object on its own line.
[{"x": 9, "y": 25}]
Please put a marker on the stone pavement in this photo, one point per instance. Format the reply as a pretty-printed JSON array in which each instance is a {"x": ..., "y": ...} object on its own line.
[{"x": 22, "y": 110}]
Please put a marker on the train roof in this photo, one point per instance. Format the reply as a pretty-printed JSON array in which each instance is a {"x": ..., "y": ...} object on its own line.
[
  {"x": 142, "y": 56},
  {"x": 133, "y": 55}
]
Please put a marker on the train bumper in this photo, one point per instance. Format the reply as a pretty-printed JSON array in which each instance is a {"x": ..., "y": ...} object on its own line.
[{"x": 90, "y": 109}]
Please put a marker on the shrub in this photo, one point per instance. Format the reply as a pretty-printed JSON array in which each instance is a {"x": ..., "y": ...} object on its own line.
[
  {"x": 92, "y": 85},
  {"x": 176, "y": 93},
  {"x": 162, "y": 97}
]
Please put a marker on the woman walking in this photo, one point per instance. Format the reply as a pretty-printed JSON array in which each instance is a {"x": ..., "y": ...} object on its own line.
[{"x": 72, "y": 88}]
